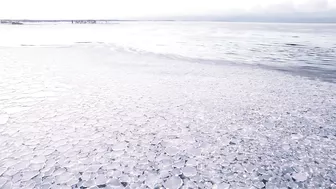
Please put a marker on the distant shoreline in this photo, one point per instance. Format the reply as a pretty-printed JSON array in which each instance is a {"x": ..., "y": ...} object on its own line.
[
  {"x": 20, "y": 22},
  {"x": 102, "y": 21}
]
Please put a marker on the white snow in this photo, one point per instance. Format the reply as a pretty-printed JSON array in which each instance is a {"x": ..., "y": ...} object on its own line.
[{"x": 3, "y": 119}]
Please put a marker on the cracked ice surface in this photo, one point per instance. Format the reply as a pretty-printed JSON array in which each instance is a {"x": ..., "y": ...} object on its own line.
[{"x": 85, "y": 117}]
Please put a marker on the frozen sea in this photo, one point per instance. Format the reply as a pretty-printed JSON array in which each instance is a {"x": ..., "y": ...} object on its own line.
[{"x": 168, "y": 105}]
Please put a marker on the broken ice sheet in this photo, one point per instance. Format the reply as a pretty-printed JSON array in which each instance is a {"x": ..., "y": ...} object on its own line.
[
  {"x": 3, "y": 181},
  {"x": 172, "y": 151},
  {"x": 174, "y": 182},
  {"x": 189, "y": 171},
  {"x": 300, "y": 177},
  {"x": 179, "y": 163},
  {"x": 152, "y": 180},
  {"x": 27, "y": 175},
  {"x": 114, "y": 182},
  {"x": 120, "y": 146},
  {"x": 101, "y": 180},
  {"x": 196, "y": 122},
  {"x": 39, "y": 159},
  {"x": 64, "y": 177}
]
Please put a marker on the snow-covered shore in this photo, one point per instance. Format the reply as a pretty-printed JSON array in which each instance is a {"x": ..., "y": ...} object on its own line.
[{"x": 86, "y": 116}]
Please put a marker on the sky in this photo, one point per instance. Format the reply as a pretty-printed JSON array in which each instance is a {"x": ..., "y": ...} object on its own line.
[{"x": 167, "y": 9}]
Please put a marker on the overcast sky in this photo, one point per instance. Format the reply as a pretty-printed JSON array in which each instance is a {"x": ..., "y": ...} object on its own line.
[{"x": 151, "y": 9}]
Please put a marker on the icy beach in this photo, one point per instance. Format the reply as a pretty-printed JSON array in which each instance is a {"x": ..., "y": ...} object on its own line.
[{"x": 92, "y": 113}]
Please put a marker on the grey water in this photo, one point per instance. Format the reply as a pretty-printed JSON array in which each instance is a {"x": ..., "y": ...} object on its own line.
[{"x": 304, "y": 49}]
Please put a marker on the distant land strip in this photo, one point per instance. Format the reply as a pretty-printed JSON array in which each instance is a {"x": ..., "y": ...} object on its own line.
[{"x": 89, "y": 21}]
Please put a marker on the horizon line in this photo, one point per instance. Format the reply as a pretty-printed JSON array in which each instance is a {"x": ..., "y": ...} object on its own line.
[{"x": 174, "y": 20}]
